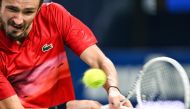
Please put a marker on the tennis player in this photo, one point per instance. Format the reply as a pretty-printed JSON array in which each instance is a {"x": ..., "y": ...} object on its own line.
[{"x": 34, "y": 71}]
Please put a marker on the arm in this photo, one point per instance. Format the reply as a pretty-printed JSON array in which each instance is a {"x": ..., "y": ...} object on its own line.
[
  {"x": 83, "y": 104},
  {"x": 12, "y": 102},
  {"x": 95, "y": 58},
  {"x": 8, "y": 97}
]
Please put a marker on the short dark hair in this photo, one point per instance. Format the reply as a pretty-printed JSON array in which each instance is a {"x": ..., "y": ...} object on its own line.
[{"x": 41, "y": 1}]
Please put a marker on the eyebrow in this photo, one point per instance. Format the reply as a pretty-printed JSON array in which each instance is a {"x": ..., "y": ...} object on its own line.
[
  {"x": 16, "y": 8},
  {"x": 12, "y": 7}
]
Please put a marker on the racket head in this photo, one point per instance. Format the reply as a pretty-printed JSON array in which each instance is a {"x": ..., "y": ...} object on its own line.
[{"x": 158, "y": 80}]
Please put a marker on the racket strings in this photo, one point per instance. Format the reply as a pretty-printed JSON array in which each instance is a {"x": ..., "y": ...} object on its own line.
[
  {"x": 160, "y": 82},
  {"x": 132, "y": 88}
]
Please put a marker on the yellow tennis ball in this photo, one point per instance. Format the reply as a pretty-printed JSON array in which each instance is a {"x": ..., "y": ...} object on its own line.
[{"x": 94, "y": 78}]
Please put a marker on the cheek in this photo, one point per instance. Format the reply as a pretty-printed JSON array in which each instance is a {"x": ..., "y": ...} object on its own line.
[{"x": 5, "y": 16}]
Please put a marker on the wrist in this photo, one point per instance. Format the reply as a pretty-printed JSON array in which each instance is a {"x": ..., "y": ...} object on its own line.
[{"x": 113, "y": 88}]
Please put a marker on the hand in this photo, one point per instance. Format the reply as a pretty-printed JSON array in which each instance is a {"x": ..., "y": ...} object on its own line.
[
  {"x": 83, "y": 104},
  {"x": 117, "y": 100}
]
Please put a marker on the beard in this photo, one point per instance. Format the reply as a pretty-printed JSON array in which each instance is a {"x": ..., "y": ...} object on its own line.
[{"x": 15, "y": 35}]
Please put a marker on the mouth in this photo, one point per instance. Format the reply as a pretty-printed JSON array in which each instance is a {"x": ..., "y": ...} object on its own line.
[
  {"x": 15, "y": 30},
  {"x": 15, "y": 27}
]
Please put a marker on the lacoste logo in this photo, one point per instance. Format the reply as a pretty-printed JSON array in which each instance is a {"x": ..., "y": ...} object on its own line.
[{"x": 47, "y": 47}]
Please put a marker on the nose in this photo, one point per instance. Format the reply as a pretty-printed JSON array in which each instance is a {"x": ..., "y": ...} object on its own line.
[{"x": 18, "y": 19}]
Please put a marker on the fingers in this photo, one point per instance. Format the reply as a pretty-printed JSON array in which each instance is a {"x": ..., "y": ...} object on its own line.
[
  {"x": 117, "y": 100},
  {"x": 122, "y": 104},
  {"x": 116, "y": 103},
  {"x": 127, "y": 103}
]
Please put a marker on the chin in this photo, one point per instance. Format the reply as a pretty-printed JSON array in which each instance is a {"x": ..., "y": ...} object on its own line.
[{"x": 15, "y": 36}]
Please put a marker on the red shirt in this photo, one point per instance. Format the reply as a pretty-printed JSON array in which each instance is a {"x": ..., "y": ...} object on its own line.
[{"x": 37, "y": 70}]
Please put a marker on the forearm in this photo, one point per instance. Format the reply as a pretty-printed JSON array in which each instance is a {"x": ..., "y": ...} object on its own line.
[
  {"x": 95, "y": 58},
  {"x": 110, "y": 70},
  {"x": 82, "y": 104},
  {"x": 12, "y": 102}
]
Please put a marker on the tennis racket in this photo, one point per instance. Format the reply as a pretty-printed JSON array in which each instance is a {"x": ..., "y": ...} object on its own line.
[{"x": 161, "y": 80}]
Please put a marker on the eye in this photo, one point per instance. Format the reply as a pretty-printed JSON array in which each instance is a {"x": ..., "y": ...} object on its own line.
[{"x": 28, "y": 12}]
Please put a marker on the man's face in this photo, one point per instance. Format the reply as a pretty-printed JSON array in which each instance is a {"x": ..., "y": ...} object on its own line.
[{"x": 17, "y": 16}]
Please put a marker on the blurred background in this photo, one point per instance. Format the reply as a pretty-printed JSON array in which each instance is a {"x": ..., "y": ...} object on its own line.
[{"x": 130, "y": 32}]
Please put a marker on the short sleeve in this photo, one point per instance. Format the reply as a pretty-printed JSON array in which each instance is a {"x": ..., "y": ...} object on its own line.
[
  {"x": 76, "y": 34},
  {"x": 6, "y": 89}
]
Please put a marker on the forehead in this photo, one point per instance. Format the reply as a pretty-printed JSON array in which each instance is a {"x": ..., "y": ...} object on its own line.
[{"x": 21, "y": 3}]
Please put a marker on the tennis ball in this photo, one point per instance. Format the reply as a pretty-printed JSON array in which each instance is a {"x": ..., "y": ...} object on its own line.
[{"x": 94, "y": 78}]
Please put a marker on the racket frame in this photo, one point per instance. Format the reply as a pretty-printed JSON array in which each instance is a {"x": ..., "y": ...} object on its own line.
[{"x": 181, "y": 72}]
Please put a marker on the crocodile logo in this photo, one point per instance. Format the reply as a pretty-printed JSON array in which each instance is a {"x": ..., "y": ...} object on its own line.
[{"x": 47, "y": 47}]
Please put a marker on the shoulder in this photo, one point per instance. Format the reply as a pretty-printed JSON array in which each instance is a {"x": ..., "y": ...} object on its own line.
[
  {"x": 52, "y": 7},
  {"x": 51, "y": 4},
  {"x": 52, "y": 12}
]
